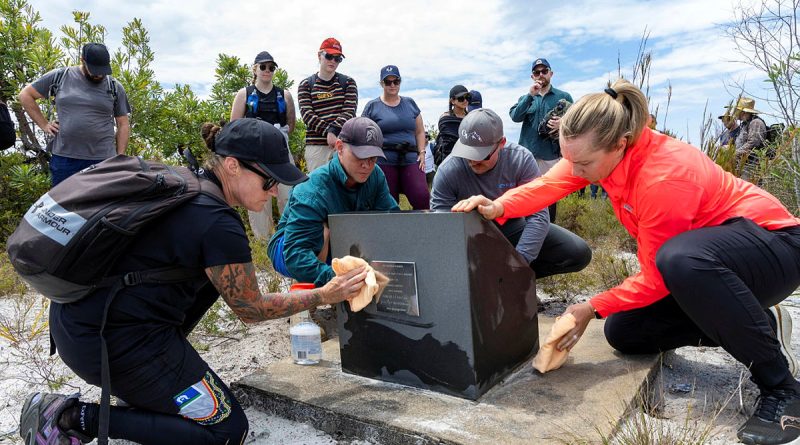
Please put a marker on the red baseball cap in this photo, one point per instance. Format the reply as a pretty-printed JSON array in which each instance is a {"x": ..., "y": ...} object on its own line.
[{"x": 331, "y": 46}]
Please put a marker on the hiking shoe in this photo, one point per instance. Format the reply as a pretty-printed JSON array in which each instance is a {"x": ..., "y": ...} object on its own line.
[
  {"x": 776, "y": 419},
  {"x": 39, "y": 418},
  {"x": 784, "y": 334}
]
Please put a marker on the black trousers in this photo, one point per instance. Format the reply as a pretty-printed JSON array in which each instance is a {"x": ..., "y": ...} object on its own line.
[
  {"x": 562, "y": 250},
  {"x": 721, "y": 280}
]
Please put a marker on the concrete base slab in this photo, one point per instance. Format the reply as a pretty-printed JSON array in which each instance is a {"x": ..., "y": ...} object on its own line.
[{"x": 585, "y": 398}]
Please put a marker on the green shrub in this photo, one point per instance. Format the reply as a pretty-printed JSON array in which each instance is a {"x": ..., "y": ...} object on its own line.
[{"x": 22, "y": 181}]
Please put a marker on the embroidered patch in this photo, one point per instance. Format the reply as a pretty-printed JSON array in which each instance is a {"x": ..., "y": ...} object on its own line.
[{"x": 204, "y": 402}]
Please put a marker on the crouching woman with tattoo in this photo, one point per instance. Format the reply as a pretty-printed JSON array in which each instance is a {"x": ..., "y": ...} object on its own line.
[{"x": 172, "y": 395}]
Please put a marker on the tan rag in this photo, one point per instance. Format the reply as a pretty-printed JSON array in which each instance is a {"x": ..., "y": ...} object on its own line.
[
  {"x": 375, "y": 280},
  {"x": 549, "y": 358}
]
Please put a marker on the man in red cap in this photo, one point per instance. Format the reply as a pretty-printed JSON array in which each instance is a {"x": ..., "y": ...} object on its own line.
[{"x": 327, "y": 100}]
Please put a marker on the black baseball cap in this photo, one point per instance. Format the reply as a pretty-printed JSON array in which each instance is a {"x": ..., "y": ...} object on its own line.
[
  {"x": 264, "y": 56},
  {"x": 96, "y": 58},
  {"x": 261, "y": 143},
  {"x": 458, "y": 90},
  {"x": 364, "y": 137}
]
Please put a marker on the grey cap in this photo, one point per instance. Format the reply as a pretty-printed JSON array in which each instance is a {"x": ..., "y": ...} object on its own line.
[
  {"x": 480, "y": 130},
  {"x": 364, "y": 137}
]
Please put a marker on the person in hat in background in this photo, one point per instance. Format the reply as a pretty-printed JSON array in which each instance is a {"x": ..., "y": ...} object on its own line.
[
  {"x": 475, "y": 100},
  {"x": 327, "y": 100},
  {"x": 752, "y": 135},
  {"x": 404, "y": 145},
  {"x": 300, "y": 247},
  {"x": 449, "y": 122},
  {"x": 531, "y": 110},
  {"x": 170, "y": 390},
  {"x": 713, "y": 267},
  {"x": 90, "y": 105},
  {"x": 484, "y": 163},
  {"x": 730, "y": 131},
  {"x": 263, "y": 100}
]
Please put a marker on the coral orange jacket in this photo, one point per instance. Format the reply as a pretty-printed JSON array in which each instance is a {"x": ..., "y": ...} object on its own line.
[{"x": 661, "y": 188}]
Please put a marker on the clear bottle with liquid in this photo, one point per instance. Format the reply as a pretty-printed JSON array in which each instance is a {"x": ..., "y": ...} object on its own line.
[{"x": 306, "y": 341}]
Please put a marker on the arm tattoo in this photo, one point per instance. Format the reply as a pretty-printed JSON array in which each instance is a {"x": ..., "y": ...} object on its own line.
[{"x": 238, "y": 286}]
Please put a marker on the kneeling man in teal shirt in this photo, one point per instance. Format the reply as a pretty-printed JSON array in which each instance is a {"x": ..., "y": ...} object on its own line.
[{"x": 350, "y": 182}]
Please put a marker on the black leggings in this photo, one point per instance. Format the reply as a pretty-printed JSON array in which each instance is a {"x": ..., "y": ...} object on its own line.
[
  {"x": 562, "y": 251},
  {"x": 721, "y": 279}
]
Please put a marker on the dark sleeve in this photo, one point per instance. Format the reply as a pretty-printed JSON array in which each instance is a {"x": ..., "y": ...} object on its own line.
[
  {"x": 414, "y": 106},
  {"x": 444, "y": 195},
  {"x": 7, "y": 133},
  {"x": 225, "y": 241}
]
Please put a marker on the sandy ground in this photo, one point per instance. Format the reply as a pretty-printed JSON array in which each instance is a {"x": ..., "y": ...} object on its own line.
[{"x": 699, "y": 390}]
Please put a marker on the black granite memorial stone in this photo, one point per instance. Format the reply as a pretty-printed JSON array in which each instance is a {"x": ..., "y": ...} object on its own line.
[{"x": 459, "y": 313}]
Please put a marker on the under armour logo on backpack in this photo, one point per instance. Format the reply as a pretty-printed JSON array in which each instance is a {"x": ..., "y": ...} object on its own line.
[
  {"x": 372, "y": 136},
  {"x": 471, "y": 136}
]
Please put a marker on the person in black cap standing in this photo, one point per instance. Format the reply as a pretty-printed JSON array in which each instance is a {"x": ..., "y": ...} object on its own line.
[
  {"x": 449, "y": 122},
  {"x": 263, "y": 100},
  {"x": 531, "y": 110},
  {"x": 173, "y": 395},
  {"x": 92, "y": 123}
]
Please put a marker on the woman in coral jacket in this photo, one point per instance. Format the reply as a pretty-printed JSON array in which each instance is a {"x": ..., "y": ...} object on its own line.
[{"x": 716, "y": 252}]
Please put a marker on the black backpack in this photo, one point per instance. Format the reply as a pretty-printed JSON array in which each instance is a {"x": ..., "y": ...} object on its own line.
[
  {"x": 772, "y": 137},
  {"x": 58, "y": 81},
  {"x": 72, "y": 235},
  {"x": 341, "y": 79},
  {"x": 447, "y": 137}
]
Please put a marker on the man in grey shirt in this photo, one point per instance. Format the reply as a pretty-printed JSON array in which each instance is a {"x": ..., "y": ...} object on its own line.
[
  {"x": 90, "y": 104},
  {"x": 484, "y": 163}
]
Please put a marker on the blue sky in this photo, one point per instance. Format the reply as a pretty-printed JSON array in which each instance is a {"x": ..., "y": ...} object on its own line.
[{"x": 484, "y": 45}]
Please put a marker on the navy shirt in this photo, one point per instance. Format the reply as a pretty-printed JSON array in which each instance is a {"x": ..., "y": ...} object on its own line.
[
  {"x": 398, "y": 125},
  {"x": 145, "y": 320}
]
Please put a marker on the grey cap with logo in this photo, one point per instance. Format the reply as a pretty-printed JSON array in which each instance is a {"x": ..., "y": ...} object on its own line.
[
  {"x": 480, "y": 130},
  {"x": 364, "y": 137}
]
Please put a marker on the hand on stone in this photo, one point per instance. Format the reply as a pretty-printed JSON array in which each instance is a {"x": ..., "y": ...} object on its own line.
[
  {"x": 486, "y": 207},
  {"x": 583, "y": 313},
  {"x": 344, "y": 287}
]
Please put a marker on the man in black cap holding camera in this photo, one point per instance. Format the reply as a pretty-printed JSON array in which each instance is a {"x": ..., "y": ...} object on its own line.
[
  {"x": 531, "y": 110},
  {"x": 92, "y": 123}
]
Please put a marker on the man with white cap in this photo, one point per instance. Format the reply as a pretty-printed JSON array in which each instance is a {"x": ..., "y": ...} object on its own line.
[
  {"x": 484, "y": 163},
  {"x": 348, "y": 183}
]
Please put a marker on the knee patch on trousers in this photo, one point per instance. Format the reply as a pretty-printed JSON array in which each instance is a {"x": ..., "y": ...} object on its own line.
[{"x": 204, "y": 402}]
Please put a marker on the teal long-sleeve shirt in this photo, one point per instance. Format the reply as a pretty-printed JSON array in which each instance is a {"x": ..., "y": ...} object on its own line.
[
  {"x": 309, "y": 205},
  {"x": 530, "y": 111}
]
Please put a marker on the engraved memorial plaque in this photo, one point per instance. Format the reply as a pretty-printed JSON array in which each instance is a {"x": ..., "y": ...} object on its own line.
[{"x": 400, "y": 295}]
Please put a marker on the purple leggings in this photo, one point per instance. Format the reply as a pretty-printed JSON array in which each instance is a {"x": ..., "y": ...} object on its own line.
[{"x": 410, "y": 181}]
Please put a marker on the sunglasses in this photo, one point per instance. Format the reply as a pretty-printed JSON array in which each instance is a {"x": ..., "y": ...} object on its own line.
[
  {"x": 267, "y": 66},
  {"x": 335, "y": 58},
  {"x": 463, "y": 97},
  {"x": 543, "y": 71},
  {"x": 492, "y": 153},
  {"x": 391, "y": 82},
  {"x": 269, "y": 181}
]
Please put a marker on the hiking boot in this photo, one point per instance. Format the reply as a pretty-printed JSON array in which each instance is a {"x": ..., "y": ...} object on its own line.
[
  {"x": 38, "y": 423},
  {"x": 783, "y": 331},
  {"x": 776, "y": 419}
]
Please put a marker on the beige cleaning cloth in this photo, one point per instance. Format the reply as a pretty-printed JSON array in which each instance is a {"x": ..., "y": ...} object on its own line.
[
  {"x": 549, "y": 358},
  {"x": 376, "y": 281}
]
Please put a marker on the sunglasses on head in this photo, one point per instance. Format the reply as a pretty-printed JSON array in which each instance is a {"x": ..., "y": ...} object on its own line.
[
  {"x": 267, "y": 66},
  {"x": 269, "y": 181},
  {"x": 543, "y": 71},
  {"x": 463, "y": 97},
  {"x": 335, "y": 58},
  {"x": 391, "y": 82}
]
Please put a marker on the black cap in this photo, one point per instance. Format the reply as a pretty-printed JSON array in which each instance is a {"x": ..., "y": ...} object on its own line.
[
  {"x": 458, "y": 90},
  {"x": 96, "y": 58},
  {"x": 264, "y": 56},
  {"x": 364, "y": 137},
  {"x": 257, "y": 141}
]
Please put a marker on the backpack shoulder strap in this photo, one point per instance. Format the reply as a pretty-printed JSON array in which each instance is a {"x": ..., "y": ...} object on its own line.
[
  {"x": 311, "y": 81},
  {"x": 111, "y": 83},
  {"x": 248, "y": 90},
  {"x": 342, "y": 79},
  {"x": 210, "y": 189},
  {"x": 57, "y": 82}
]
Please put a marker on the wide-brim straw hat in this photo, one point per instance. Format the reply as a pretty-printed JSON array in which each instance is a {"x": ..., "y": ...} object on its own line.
[{"x": 747, "y": 105}]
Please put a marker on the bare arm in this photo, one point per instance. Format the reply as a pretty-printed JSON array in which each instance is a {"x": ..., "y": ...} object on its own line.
[
  {"x": 123, "y": 133},
  {"x": 28, "y": 97},
  {"x": 238, "y": 286},
  {"x": 239, "y": 102},
  {"x": 421, "y": 145},
  {"x": 291, "y": 115}
]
